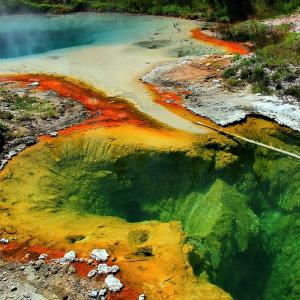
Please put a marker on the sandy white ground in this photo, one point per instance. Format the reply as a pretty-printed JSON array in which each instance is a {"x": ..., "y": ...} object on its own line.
[{"x": 209, "y": 98}]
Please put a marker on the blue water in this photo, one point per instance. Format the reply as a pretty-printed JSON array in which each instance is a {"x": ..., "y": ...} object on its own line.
[{"x": 34, "y": 34}]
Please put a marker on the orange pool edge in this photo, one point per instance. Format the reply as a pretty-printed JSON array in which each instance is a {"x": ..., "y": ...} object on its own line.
[
  {"x": 230, "y": 47},
  {"x": 104, "y": 111}
]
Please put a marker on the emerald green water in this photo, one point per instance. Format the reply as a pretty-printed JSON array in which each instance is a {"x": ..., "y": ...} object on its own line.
[{"x": 242, "y": 219}]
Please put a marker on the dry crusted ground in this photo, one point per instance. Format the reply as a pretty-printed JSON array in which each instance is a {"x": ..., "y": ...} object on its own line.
[
  {"x": 28, "y": 113},
  {"x": 39, "y": 281},
  {"x": 208, "y": 95}
]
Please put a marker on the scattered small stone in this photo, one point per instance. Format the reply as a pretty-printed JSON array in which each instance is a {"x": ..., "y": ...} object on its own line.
[
  {"x": 43, "y": 256},
  {"x": 113, "y": 284},
  {"x": 71, "y": 270},
  {"x": 54, "y": 270},
  {"x": 114, "y": 269},
  {"x": 89, "y": 261},
  {"x": 170, "y": 101},
  {"x": 33, "y": 84},
  {"x": 54, "y": 133},
  {"x": 92, "y": 273},
  {"x": 69, "y": 113},
  {"x": 2, "y": 165},
  {"x": 99, "y": 255},
  {"x": 4, "y": 241},
  {"x": 38, "y": 264},
  {"x": 142, "y": 297},
  {"x": 102, "y": 292},
  {"x": 13, "y": 288},
  {"x": 94, "y": 293},
  {"x": 105, "y": 269},
  {"x": 81, "y": 260}
]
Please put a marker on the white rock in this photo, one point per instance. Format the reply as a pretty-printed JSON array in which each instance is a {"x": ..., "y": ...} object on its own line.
[
  {"x": 114, "y": 269},
  {"x": 4, "y": 241},
  {"x": 33, "y": 84},
  {"x": 43, "y": 256},
  {"x": 2, "y": 165},
  {"x": 54, "y": 133},
  {"x": 103, "y": 269},
  {"x": 113, "y": 284},
  {"x": 142, "y": 297},
  {"x": 99, "y": 254},
  {"x": 170, "y": 101},
  {"x": 102, "y": 292},
  {"x": 92, "y": 273},
  {"x": 94, "y": 293},
  {"x": 70, "y": 256}
]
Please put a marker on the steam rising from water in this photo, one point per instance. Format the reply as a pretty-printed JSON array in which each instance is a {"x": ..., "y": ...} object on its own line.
[
  {"x": 26, "y": 35},
  {"x": 29, "y": 34}
]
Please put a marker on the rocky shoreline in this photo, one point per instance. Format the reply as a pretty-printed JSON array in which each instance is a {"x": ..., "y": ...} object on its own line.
[
  {"x": 207, "y": 94},
  {"x": 26, "y": 113},
  {"x": 39, "y": 277}
]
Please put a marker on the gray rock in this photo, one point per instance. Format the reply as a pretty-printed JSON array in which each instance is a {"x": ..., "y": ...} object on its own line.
[{"x": 13, "y": 288}]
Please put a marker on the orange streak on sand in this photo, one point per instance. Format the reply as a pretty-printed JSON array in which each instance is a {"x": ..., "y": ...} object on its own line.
[
  {"x": 173, "y": 101},
  {"x": 231, "y": 47},
  {"x": 104, "y": 111},
  {"x": 176, "y": 104},
  {"x": 23, "y": 253}
]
